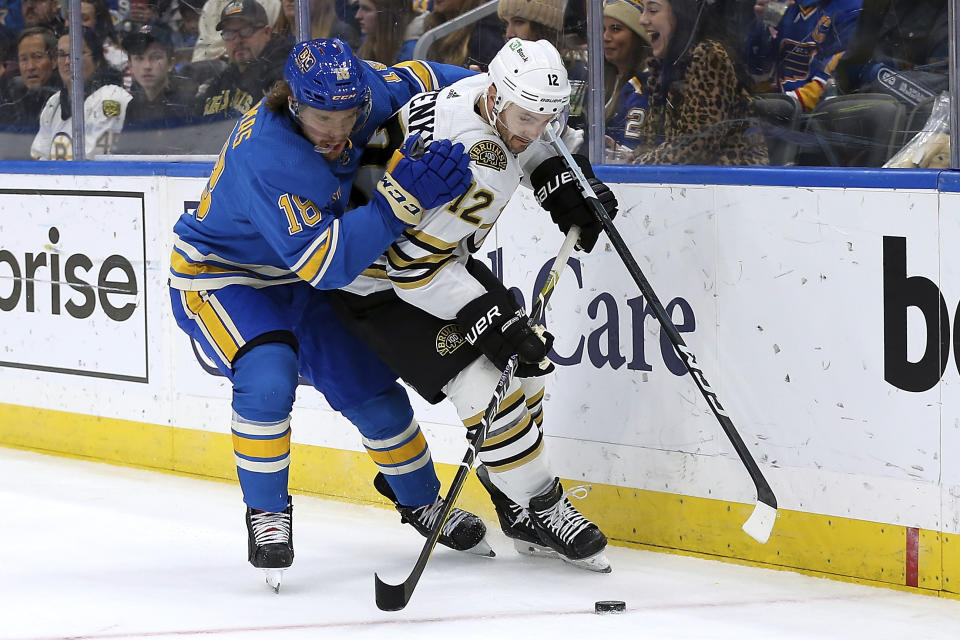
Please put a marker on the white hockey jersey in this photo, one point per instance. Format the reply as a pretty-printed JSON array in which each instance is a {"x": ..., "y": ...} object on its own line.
[
  {"x": 104, "y": 111},
  {"x": 426, "y": 265}
]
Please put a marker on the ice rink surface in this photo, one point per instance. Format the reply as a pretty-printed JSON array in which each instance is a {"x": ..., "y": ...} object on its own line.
[{"x": 97, "y": 551}]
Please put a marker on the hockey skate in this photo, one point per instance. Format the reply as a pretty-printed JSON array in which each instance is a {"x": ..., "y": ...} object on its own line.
[
  {"x": 270, "y": 542},
  {"x": 462, "y": 531},
  {"x": 564, "y": 529},
  {"x": 515, "y": 520}
]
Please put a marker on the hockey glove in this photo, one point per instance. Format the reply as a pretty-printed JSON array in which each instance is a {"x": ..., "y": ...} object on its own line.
[
  {"x": 499, "y": 330},
  {"x": 557, "y": 191},
  {"x": 418, "y": 180}
]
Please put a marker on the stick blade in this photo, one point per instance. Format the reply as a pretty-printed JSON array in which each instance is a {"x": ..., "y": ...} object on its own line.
[
  {"x": 760, "y": 523},
  {"x": 390, "y": 597}
]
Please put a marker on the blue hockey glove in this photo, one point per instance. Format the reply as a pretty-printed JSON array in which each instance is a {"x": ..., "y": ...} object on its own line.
[{"x": 417, "y": 180}]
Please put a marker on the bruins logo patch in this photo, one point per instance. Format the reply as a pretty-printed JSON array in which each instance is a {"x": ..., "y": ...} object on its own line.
[
  {"x": 449, "y": 339},
  {"x": 111, "y": 108},
  {"x": 487, "y": 153}
]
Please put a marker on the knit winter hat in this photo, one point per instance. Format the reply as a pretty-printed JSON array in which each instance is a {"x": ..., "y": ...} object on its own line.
[
  {"x": 547, "y": 12},
  {"x": 628, "y": 12}
]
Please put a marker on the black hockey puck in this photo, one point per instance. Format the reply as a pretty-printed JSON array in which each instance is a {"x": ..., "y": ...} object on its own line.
[{"x": 609, "y": 606}]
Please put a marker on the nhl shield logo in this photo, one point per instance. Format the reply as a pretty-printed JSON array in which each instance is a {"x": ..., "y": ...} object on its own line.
[{"x": 449, "y": 339}]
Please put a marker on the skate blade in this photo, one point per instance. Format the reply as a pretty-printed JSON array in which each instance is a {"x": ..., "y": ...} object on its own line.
[
  {"x": 274, "y": 577},
  {"x": 481, "y": 549},
  {"x": 597, "y": 562},
  {"x": 532, "y": 549}
]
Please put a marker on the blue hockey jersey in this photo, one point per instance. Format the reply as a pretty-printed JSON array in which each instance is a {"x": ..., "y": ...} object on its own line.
[
  {"x": 809, "y": 41},
  {"x": 273, "y": 210},
  {"x": 632, "y": 104}
]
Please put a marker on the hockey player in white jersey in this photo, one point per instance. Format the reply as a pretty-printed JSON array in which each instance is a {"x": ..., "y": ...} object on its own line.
[{"x": 444, "y": 322}]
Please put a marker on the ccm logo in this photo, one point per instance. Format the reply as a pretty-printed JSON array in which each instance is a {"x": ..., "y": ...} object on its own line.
[
  {"x": 552, "y": 185},
  {"x": 482, "y": 324}
]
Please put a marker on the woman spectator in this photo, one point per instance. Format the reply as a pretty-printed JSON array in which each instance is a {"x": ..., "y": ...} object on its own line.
[
  {"x": 36, "y": 53},
  {"x": 288, "y": 17},
  {"x": 95, "y": 15},
  {"x": 475, "y": 44},
  {"x": 324, "y": 23},
  {"x": 104, "y": 107},
  {"x": 385, "y": 26},
  {"x": 625, "y": 49},
  {"x": 699, "y": 106},
  {"x": 543, "y": 20}
]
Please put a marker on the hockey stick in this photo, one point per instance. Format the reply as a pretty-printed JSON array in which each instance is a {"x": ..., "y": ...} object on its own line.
[
  {"x": 760, "y": 523},
  {"x": 393, "y": 597}
]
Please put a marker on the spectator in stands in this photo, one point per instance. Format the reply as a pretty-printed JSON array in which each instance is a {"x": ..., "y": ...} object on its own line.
[
  {"x": 210, "y": 45},
  {"x": 42, "y": 13},
  {"x": 286, "y": 20},
  {"x": 141, "y": 12},
  {"x": 532, "y": 19},
  {"x": 256, "y": 61},
  {"x": 11, "y": 16},
  {"x": 8, "y": 62},
  {"x": 160, "y": 98},
  {"x": 185, "y": 36},
  {"x": 626, "y": 49},
  {"x": 324, "y": 20},
  {"x": 475, "y": 44},
  {"x": 325, "y": 23},
  {"x": 96, "y": 15},
  {"x": 104, "y": 107},
  {"x": 36, "y": 53},
  {"x": 385, "y": 26},
  {"x": 899, "y": 48},
  {"x": 798, "y": 54},
  {"x": 699, "y": 106}
]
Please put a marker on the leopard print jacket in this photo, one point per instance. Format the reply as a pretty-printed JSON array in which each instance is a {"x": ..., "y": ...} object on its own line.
[{"x": 706, "y": 116}]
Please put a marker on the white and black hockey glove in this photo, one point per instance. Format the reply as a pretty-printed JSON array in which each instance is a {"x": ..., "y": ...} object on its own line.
[
  {"x": 556, "y": 191},
  {"x": 499, "y": 329}
]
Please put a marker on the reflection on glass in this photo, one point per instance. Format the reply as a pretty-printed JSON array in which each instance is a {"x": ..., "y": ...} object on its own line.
[{"x": 739, "y": 82}]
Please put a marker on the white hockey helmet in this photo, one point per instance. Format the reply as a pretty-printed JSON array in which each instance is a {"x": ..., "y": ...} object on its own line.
[{"x": 530, "y": 75}]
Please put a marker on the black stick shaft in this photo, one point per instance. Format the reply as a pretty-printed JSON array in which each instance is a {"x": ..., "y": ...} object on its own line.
[
  {"x": 393, "y": 597},
  {"x": 764, "y": 492}
]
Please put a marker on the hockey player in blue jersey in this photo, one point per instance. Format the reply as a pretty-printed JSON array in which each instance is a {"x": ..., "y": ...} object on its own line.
[{"x": 270, "y": 233}]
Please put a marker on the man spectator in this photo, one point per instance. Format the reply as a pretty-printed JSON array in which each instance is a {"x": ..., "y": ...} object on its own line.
[
  {"x": 160, "y": 98},
  {"x": 42, "y": 13},
  {"x": 797, "y": 54},
  {"x": 36, "y": 53},
  {"x": 210, "y": 45},
  {"x": 256, "y": 61}
]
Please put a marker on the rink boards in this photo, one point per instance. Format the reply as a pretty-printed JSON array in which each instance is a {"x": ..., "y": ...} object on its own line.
[{"x": 821, "y": 305}]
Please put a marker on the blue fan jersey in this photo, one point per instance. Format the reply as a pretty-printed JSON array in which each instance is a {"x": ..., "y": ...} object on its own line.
[
  {"x": 809, "y": 42},
  {"x": 282, "y": 220},
  {"x": 632, "y": 104}
]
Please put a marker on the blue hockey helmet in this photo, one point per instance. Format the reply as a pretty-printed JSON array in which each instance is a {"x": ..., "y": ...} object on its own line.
[{"x": 324, "y": 74}]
